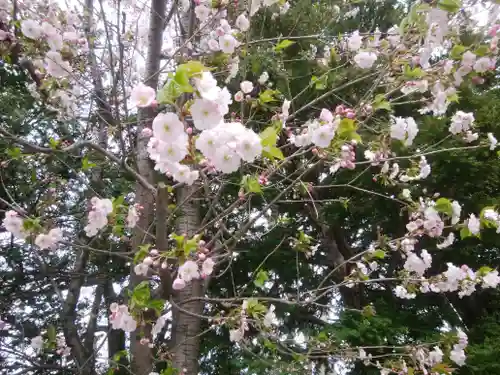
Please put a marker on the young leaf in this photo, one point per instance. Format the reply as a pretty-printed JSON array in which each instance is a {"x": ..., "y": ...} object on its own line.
[
  {"x": 283, "y": 44},
  {"x": 261, "y": 278}
]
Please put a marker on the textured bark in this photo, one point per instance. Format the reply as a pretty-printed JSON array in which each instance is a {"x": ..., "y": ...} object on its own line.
[
  {"x": 142, "y": 360},
  {"x": 186, "y": 326}
]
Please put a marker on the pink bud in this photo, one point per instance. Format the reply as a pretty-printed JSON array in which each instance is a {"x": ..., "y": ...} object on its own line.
[
  {"x": 314, "y": 151},
  {"x": 164, "y": 265},
  {"x": 339, "y": 109},
  {"x": 156, "y": 263},
  {"x": 148, "y": 261},
  {"x": 153, "y": 252},
  {"x": 241, "y": 194},
  {"x": 493, "y": 31},
  {"x": 154, "y": 104},
  {"x": 350, "y": 115},
  {"x": 202, "y": 256},
  {"x": 189, "y": 130},
  {"x": 178, "y": 284},
  {"x": 201, "y": 243},
  {"x": 144, "y": 341},
  {"x": 147, "y": 132}
]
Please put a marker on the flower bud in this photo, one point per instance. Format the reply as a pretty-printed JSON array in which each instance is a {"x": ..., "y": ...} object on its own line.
[{"x": 178, "y": 284}]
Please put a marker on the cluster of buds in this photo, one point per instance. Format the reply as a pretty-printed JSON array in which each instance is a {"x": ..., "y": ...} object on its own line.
[
  {"x": 152, "y": 260},
  {"x": 348, "y": 155},
  {"x": 263, "y": 180},
  {"x": 202, "y": 250},
  {"x": 344, "y": 111}
]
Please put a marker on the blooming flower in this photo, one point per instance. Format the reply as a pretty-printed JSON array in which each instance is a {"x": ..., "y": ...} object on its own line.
[
  {"x": 242, "y": 22},
  {"x": 206, "y": 85},
  {"x": 56, "y": 66},
  {"x": 270, "y": 317},
  {"x": 37, "y": 343},
  {"x": 263, "y": 78},
  {"x": 202, "y": 12},
  {"x": 227, "y": 43},
  {"x": 246, "y": 87},
  {"x": 167, "y": 127},
  {"x": 404, "y": 129},
  {"x": 461, "y": 122},
  {"x": 189, "y": 271},
  {"x": 206, "y": 114},
  {"x": 142, "y": 95},
  {"x": 354, "y": 41},
  {"x": 208, "y": 266},
  {"x": 493, "y": 141},
  {"x": 31, "y": 29},
  {"x": 491, "y": 279},
  {"x": 365, "y": 60},
  {"x": 473, "y": 224},
  {"x": 14, "y": 224},
  {"x": 132, "y": 216}
]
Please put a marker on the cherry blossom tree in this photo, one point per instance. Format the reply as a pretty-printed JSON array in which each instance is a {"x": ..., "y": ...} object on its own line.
[{"x": 166, "y": 93}]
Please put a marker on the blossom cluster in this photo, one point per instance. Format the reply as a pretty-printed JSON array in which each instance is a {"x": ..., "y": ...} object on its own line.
[
  {"x": 223, "y": 145},
  {"x": 191, "y": 270},
  {"x": 98, "y": 215},
  {"x": 14, "y": 224},
  {"x": 120, "y": 318}
]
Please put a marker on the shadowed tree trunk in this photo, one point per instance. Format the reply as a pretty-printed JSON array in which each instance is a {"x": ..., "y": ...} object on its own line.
[
  {"x": 186, "y": 326},
  {"x": 142, "y": 360}
]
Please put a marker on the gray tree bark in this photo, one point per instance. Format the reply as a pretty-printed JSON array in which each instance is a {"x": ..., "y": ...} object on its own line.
[{"x": 142, "y": 360}]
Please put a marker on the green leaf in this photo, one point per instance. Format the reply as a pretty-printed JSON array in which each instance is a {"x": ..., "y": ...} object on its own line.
[
  {"x": 484, "y": 270},
  {"x": 14, "y": 153},
  {"x": 86, "y": 164},
  {"x": 457, "y": 51},
  {"x": 444, "y": 205},
  {"x": 53, "y": 143},
  {"x": 251, "y": 184},
  {"x": 379, "y": 254},
  {"x": 347, "y": 128},
  {"x": 413, "y": 73},
  {"x": 178, "y": 239},
  {"x": 320, "y": 83},
  {"x": 192, "y": 68},
  {"x": 190, "y": 246},
  {"x": 381, "y": 103},
  {"x": 141, "y": 294},
  {"x": 283, "y": 44},
  {"x": 451, "y": 6},
  {"x": 482, "y": 50},
  {"x": 51, "y": 333},
  {"x": 275, "y": 152},
  {"x": 465, "y": 232},
  {"x": 261, "y": 278},
  {"x": 268, "y": 96},
  {"x": 157, "y": 305},
  {"x": 182, "y": 79},
  {"x": 169, "y": 93},
  {"x": 269, "y": 136}
]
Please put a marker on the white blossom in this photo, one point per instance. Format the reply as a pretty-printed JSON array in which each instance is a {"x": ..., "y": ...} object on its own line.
[
  {"x": 242, "y": 22},
  {"x": 142, "y": 95},
  {"x": 246, "y": 87},
  {"x": 473, "y": 224},
  {"x": 31, "y": 29},
  {"x": 365, "y": 60},
  {"x": 189, "y": 271}
]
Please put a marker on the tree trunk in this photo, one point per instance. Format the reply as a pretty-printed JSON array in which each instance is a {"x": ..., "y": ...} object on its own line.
[
  {"x": 142, "y": 360},
  {"x": 186, "y": 326}
]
